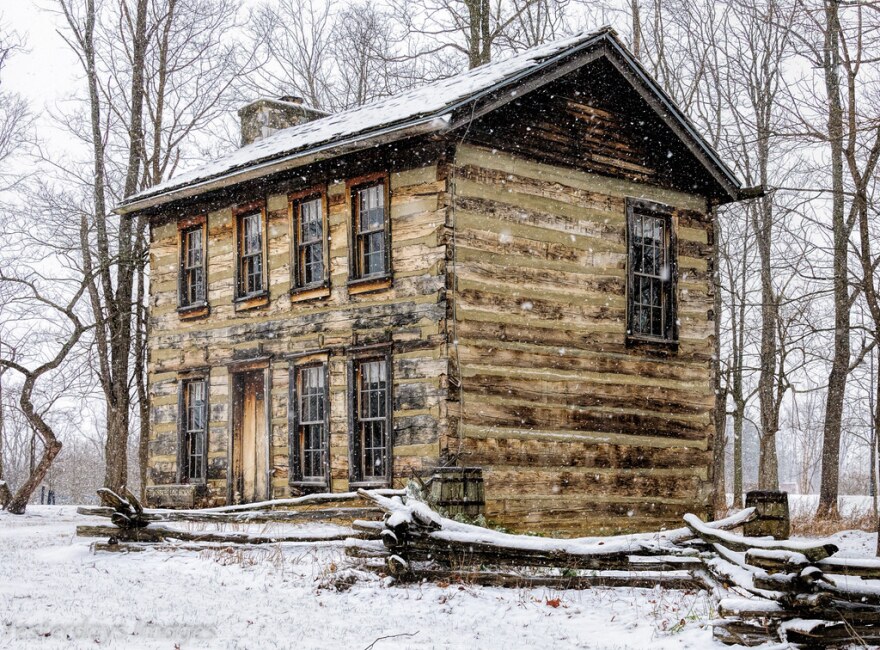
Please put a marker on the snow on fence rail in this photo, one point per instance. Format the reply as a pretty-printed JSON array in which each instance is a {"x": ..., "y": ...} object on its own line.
[
  {"x": 768, "y": 590},
  {"x": 135, "y": 525}
]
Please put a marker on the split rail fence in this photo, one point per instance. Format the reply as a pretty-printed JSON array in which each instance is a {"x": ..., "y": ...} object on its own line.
[{"x": 768, "y": 591}]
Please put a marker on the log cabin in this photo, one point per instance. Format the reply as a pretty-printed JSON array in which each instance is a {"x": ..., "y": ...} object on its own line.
[{"x": 510, "y": 269}]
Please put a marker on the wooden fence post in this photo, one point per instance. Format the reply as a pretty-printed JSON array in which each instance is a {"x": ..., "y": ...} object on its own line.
[
  {"x": 773, "y": 517},
  {"x": 458, "y": 491}
]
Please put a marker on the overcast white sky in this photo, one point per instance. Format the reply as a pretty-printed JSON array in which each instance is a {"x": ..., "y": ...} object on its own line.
[{"x": 47, "y": 71}]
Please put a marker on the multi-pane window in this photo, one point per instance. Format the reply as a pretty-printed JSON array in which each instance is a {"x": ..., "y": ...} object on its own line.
[
  {"x": 371, "y": 232},
  {"x": 372, "y": 419},
  {"x": 652, "y": 272},
  {"x": 309, "y": 440},
  {"x": 194, "y": 439},
  {"x": 309, "y": 242},
  {"x": 250, "y": 263},
  {"x": 192, "y": 289}
]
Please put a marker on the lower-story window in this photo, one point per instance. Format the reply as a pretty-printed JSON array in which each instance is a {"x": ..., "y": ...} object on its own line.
[
  {"x": 370, "y": 401},
  {"x": 308, "y": 421},
  {"x": 194, "y": 431}
]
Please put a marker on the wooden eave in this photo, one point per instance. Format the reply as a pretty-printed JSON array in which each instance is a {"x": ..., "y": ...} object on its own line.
[{"x": 603, "y": 44}]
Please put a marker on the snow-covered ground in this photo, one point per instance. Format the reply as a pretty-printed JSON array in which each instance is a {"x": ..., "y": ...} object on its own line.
[
  {"x": 849, "y": 505},
  {"x": 56, "y": 593}
]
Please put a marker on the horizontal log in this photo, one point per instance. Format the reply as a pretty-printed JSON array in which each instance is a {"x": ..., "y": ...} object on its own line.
[
  {"x": 365, "y": 549},
  {"x": 470, "y": 553},
  {"x": 868, "y": 568},
  {"x": 161, "y": 534},
  {"x": 813, "y": 552},
  {"x": 647, "y": 579},
  {"x": 827, "y": 633},
  {"x": 776, "y": 561},
  {"x": 516, "y": 414},
  {"x": 244, "y": 517},
  {"x": 536, "y": 453},
  {"x": 744, "y": 633},
  {"x": 165, "y": 547},
  {"x": 309, "y": 499}
]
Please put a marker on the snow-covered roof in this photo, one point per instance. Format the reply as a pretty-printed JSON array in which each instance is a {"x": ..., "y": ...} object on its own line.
[{"x": 427, "y": 108}]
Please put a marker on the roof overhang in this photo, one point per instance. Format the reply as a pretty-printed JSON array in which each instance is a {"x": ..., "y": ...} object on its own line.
[
  {"x": 603, "y": 43},
  {"x": 298, "y": 159}
]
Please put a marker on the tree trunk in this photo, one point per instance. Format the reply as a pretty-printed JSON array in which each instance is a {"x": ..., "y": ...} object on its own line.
[
  {"x": 837, "y": 378},
  {"x": 2, "y": 421},
  {"x": 719, "y": 447},
  {"x": 875, "y": 454},
  {"x": 636, "y": 28},
  {"x": 738, "y": 419},
  {"x": 768, "y": 465}
]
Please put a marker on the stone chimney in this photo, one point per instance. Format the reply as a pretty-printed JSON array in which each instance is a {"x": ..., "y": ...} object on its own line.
[{"x": 265, "y": 116}]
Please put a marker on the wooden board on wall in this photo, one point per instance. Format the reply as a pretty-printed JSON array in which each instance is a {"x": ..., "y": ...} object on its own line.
[
  {"x": 575, "y": 431},
  {"x": 410, "y": 313}
]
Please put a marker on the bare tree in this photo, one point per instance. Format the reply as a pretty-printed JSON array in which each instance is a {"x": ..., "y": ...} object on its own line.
[
  {"x": 764, "y": 39},
  {"x": 364, "y": 46},
  {"x": 536, "y": 23},
  {"x": 26, "y": 290},
  {"x": 835, "y": 39},
  {"x": 292, "y": 40},
  {"x": 473, "y": 28},
  {"x": 156, "y": 72},
  {"x": 15, "y": 117}
]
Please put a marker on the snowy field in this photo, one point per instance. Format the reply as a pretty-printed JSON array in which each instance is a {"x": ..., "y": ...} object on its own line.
[
  {"x": 56, "y": 593},
  {"x": 849, "y": 505}
]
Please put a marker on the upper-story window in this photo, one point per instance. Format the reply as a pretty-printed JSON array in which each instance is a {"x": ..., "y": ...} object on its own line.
[
  {"x": 192, "y": 291},
  {"x": 194, "y": 432},
  {"x": 651, "y": 304},
  {"x": 371, "y": 255},
  {"x": 251, "y": 247},
  {"x": 309, "y": 246}
]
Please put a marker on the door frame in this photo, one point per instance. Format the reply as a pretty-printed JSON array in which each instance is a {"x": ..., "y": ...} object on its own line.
[{"x": 234, "y": 372}]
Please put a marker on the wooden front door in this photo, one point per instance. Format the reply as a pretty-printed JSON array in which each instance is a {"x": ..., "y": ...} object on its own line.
[{"x": 250, "y": 438}]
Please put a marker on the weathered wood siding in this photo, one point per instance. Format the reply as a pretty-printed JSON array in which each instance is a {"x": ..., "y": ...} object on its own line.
[
  {"x": 411, "y": 313},
  {"x": 575, "y": 431}
]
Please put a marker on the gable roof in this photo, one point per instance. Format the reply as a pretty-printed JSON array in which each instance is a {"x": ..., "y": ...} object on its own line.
[{"x": 433, "y": 108}]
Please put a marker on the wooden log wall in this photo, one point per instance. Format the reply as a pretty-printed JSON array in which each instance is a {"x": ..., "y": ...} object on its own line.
[
  {"x": 410, "y": 313},
  {"x": 575, "y": 431}
]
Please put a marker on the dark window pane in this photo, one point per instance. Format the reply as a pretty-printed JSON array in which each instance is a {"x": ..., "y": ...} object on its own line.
[
  {"x": 310, "y": 258},
  {"x": 195, "y": 401},
  {"x": 193, "y": 283},
  {"x": 372, "y": 208},
  {"x": 311, "y": 437},
  {"x": 372, "y": 418},
  {"x": 374, "y": 253},
  {"x": 371, "y": 223},
  {"x": 313, "y": 257},
  {"x": 650, "y": 276}
]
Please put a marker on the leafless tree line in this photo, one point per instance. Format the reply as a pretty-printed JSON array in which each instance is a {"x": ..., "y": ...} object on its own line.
[{"x": 787, "y": 90}]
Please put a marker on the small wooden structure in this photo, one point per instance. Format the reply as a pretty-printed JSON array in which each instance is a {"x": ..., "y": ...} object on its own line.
[
  {"x": 510, "y": 269},
  {"x": 773, "y": 517},
  {"x": 458, "y": 491}
]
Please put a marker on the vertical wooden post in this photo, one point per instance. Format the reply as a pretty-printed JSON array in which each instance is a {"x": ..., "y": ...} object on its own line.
[
  {"x": 458, "y": 491},
  {"x": 773, "y": 515}
]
